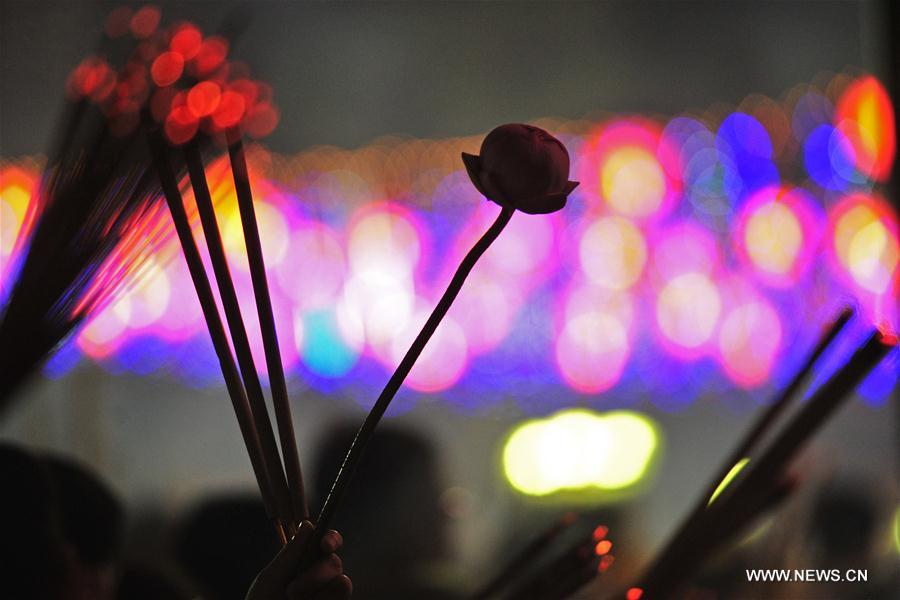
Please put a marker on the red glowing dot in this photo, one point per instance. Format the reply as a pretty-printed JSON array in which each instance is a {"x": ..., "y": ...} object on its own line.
[
  {"x": 605, "y": 563},
  {"x": 186, "y": 41},
  {"x": 92, "y": 78},
  {"x": 118, "y": 22},
  {"x": 204, "y": 98},
  {"x": 246, "y": 88},
  {"x": 230, "y": 110},
  {"x": 181, "y": 125},
  {"x": 634, "y": 593},
  {"x": 145, "y": 21},
  {"x": 167, "y": 68},
  {"x": 261, "y": 120},
  {"x": 600, "y": 532},
  {"x": 888, "y": 338},
  {"x": 211, "y": 54},
  {"x": 602, "y": 547}
]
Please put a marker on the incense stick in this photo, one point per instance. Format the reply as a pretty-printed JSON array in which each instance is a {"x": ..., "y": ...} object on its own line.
[
  {"x": 527, "y": 554},
  {"x": 238, "y": 330},
  {"x": 824, "y": 402},
  {"x": 339, "y": 487},
  {"x": 216, "y": 329},
  {"x": 768, "y": 418},
  {"x": 672, "y": 565},
  {"x": 91, "y": 198},
  {"x": 763, "y": 423},
  {"x": 574, "y": 567},
  {"x": 760, "y": 427},
  {"x": 267, "y": 325}
]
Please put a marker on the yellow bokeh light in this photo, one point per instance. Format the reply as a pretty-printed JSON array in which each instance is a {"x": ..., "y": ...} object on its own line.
[
  {"x": 870, "y": 124},
  {"x": 688, "y": 308},
  {"x": 578, "y": 449},
  {"x": 613, "y": 253},
  {"x": 773, "y": 238},
  {"x": 866, "y": 248},
  {"x": 14, "y": 201},
  {"x": 17, "y": 198},
  {"x": 274, "y": 233},
  {"x": 633, "y": 182}
]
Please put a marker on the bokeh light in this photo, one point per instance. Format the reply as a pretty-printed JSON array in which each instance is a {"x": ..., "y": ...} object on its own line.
[
  {"x": 749, "y": 342},
  {"x": 632, "y": 169},
  {"x": 580, "y": 450},
  {"x": 680, "y": 260},
  {"x": 613, "y": 252},
  {"x": 748, "y": 148},
  {"x": 864, "y": 242},
  {"x": 687, "y": 312},
  {"x": 865, "y": 116},
  {"x": 777, "y": 233}
]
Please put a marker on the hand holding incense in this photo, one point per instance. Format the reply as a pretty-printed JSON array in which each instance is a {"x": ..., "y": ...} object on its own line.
[{"x": 521, "y": 167}]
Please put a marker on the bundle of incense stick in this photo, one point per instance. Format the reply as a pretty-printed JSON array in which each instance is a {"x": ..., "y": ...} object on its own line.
[
  {"x": 199, "y": 97},
  {"x": 97, "y": 219},
  {"x": 101, "y": 215},
  {"x": 284, "y": 498},
  {"x": 725, "y": 509}
]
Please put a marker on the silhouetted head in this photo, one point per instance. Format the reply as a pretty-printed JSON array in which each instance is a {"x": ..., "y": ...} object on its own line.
[
  {"x": 843, "y": 521},
  {"x": 391, "y": 517},
  {"x": 92, "y": 523},
  {"x": 32, "y": 547},
  {"x": 223, "y": 543}
]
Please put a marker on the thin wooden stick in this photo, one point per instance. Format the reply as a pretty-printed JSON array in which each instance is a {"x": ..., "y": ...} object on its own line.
[
  {"x": 267, "y": 325},
  {"x": 214, "y": 324},
  {"x": 238, "y": 331},
  {"x": 339, "y": 487}
]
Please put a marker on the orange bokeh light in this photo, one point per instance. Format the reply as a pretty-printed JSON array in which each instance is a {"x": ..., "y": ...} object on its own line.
[
  {"x": 602, "y": 547},
  {"x": 865, "y": 115}
]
